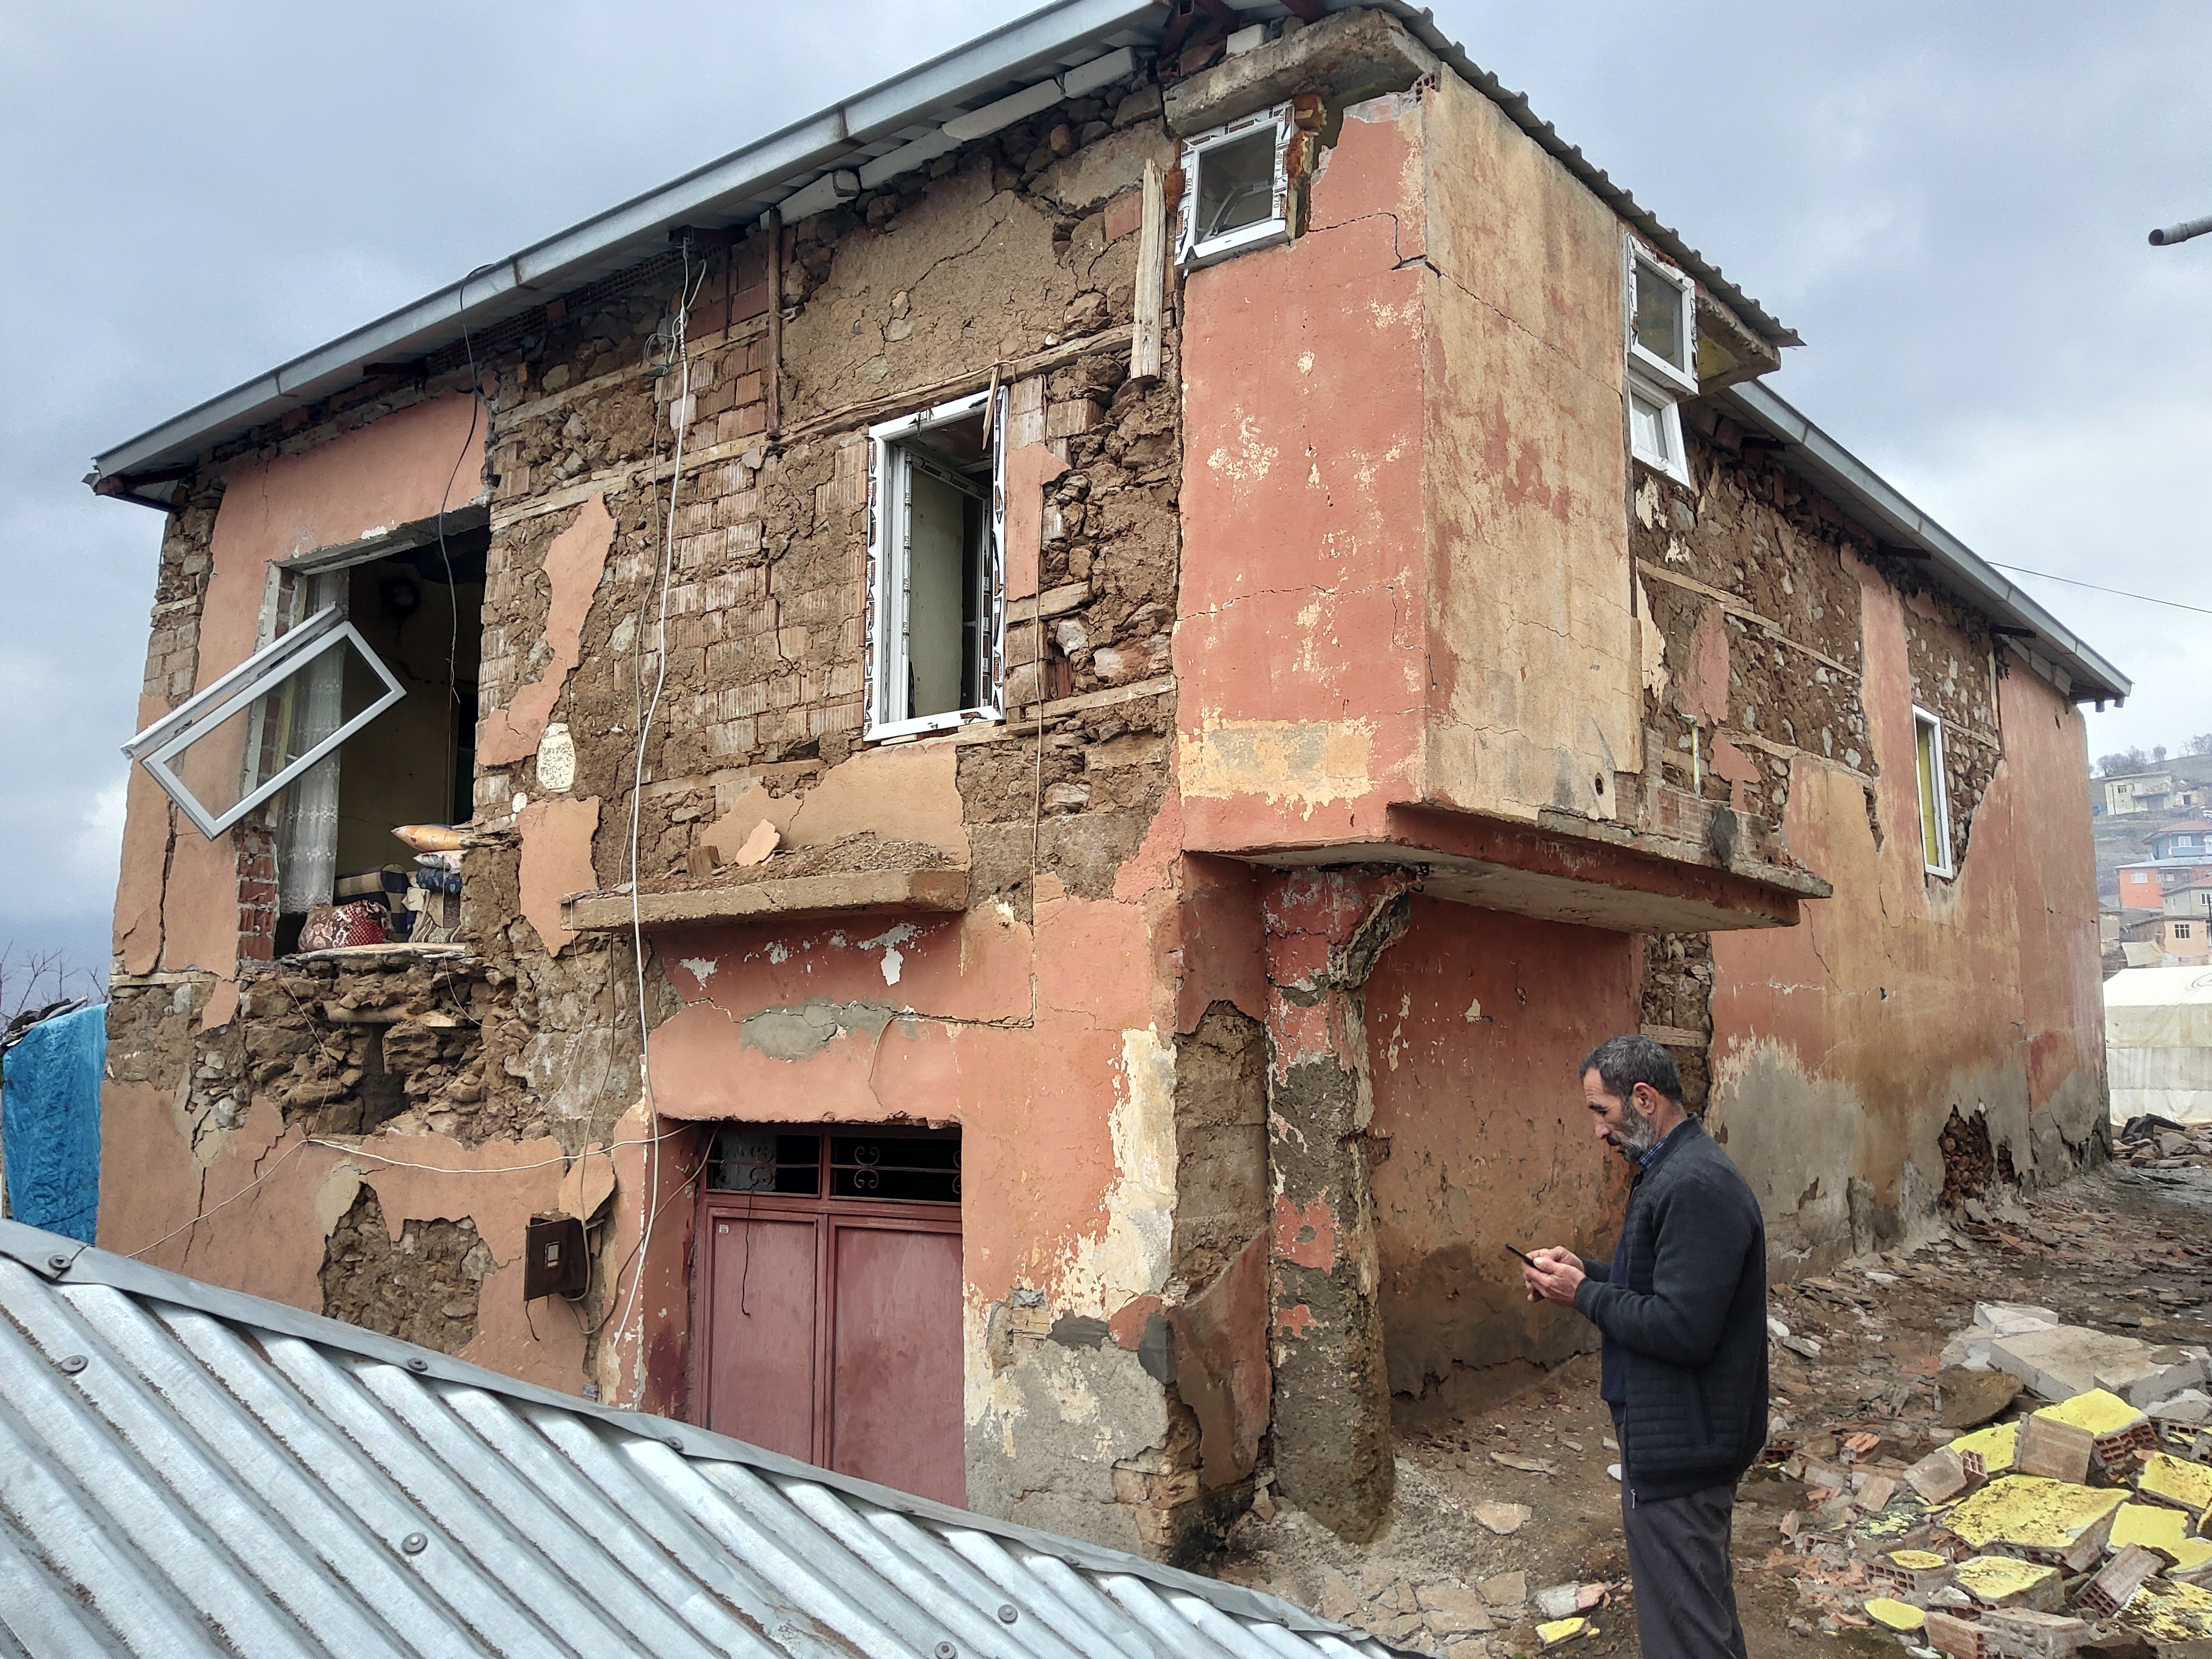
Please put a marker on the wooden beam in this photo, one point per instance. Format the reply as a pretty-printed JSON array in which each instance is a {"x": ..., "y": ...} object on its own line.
[{"x": 1152, "y": 275}]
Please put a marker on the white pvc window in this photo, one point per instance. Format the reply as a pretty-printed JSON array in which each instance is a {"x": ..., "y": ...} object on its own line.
[
  {"x": 1235, "y": 192},
  {"x": 937, "y": 583},
  {"x": 1934, "y": 792},
  {"x": 224, "y": 751},
  {"x": 1660, "y": 304}
]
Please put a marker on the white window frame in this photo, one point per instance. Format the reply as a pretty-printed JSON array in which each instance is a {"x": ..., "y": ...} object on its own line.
[
  {"x": 1651, "y": 377},
  {"x": 1191, "y": 250},
  {"x": 204, "y": 711},
  {"x": 1674, "y": 461},
  {"x": 886, "y": 625},
  {"x": 1682, "y": 382},
  {"x": 1941, "y": 783}
]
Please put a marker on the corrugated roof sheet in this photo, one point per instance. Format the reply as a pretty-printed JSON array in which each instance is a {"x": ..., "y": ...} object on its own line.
[
  {"x": 187, "y": 1470},
  {"x": 865, "y": 134}
]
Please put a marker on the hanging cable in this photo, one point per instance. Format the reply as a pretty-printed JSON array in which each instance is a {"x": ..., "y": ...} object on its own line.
[
  {"x": 680, "y": 353},
  {"x": 2117, "y": 593}
]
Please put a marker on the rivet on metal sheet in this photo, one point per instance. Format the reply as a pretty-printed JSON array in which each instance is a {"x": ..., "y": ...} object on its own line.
[
  {"x": 418, "y": 1367},
  {"x": 676, "y": 1443},
  {"x": 414, "y": 1544},
  {"x": 1008, "y": 1613},
  {"x": 71, "y": 1364},
  {"x": 946, "y": 1650},
  {"x": 58, "y": 1262}
]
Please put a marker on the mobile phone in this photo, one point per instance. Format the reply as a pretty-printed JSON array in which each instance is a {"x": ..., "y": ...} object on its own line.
[{"x": 1524, "y": 1255}]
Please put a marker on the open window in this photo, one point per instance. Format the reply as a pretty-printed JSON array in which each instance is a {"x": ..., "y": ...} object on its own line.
[
  {"x": 1236, "y": 188},
  {"x": 936, "y": 612},
  {"x": 268, "y": 722},
  {"x": 1661, "y": 360},
  {"x": 357, "y": 714},
  {"x": 1934, "y": 792}
]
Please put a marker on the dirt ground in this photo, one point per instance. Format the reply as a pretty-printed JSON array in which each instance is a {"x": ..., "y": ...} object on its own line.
[{"x": 2122, "y": 1249}]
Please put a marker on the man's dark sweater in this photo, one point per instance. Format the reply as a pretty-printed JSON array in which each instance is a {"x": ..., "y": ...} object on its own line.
[{"x": 1683, "y": 1309}]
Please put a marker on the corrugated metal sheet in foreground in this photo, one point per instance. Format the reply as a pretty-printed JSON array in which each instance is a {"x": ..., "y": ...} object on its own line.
[{"x": 186, "y": 1470}]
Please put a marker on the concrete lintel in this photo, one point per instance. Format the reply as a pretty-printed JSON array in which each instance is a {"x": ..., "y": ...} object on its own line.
[
  {"x": 1631, "y": 882},
  {"x": 800, "y": 896},
  {"x": 1350, "y": 55}
]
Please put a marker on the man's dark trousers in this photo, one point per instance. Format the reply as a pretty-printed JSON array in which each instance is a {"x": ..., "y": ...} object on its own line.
[{"x": 1678, "y": 1554}]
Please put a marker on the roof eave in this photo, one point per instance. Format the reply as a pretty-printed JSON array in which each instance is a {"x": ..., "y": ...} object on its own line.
[{"x": 747, "y": 182}]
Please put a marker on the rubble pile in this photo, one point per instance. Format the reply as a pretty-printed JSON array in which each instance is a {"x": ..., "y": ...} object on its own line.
[
  {"x": 2159, "y": 1143},
  {"x": 2081, "y": 1523}
]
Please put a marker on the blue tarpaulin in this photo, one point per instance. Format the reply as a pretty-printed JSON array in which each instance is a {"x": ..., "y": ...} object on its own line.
[{"x": 49, "y": 1122}]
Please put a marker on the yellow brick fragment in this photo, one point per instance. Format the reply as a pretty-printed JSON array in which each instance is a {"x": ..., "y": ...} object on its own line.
[
  {"x": 1994, "y": 1445},
  {"x": 2151, "y": 1525},
  {"x": 2189, "y": 1485},
  {"x": 1897, "y": 1615},
  {"x": 2172, "y": 1611},
  {"x": 1563, "y": 1630},
  {"x": 1993, "y": 1578},
  {"x": 2031, "y": 1512},
  {"x": 2097, "y": 1411},
  {"x": 1916, "y": 1560}
]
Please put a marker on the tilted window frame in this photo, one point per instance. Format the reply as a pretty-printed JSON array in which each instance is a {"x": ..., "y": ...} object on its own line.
[
  {"x": 1939, "y": 781},
  {"x": 1192, "y": 251},
  {"x": 884, "y": 629},
  {"x": 206, "y": 710},
  {"x": 1647, "y": 374}
]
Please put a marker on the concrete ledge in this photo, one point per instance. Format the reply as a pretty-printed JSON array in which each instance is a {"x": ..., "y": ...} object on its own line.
[
  {"x": 1353, "y": 55},
  {"x": 801, "y": 896}
]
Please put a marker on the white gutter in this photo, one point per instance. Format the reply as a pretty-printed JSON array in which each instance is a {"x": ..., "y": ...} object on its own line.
[{"x": 1896, "y": 520}]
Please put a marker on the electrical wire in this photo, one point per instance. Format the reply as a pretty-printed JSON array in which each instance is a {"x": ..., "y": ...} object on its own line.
[
  {"x": 2117, "y": 593},
  {"x": 680, "y": 351}
]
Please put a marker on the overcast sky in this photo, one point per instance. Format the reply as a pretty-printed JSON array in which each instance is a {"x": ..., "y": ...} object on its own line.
[{"x": 1948, "y": 202}]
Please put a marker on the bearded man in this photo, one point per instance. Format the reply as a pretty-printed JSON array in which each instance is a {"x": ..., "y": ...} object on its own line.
[{"x": 1682, "y": 1308}]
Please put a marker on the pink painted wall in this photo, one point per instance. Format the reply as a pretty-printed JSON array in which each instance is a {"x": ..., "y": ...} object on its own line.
[
  {"x": 1299, "y": 645},
  {"x": 1841, "y": 1047},
  {"x": 1476, "y": 1021}
]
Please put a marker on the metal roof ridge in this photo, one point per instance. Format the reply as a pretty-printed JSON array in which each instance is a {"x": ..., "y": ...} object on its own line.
[
  {"x": 1974, "y": 578},
  {"x": 63, "y": 1261}
]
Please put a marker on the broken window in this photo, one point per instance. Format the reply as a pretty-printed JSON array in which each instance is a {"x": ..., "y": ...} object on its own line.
[
  {"x": 226, "y": 750},
  {"x": 1663, "y": 352},
  {"x": 935, "y": 613},
  {"x": 1236, "y": 189},
  {"x": 1935, "y": 793},
  {"x": 356, "y": 715}
]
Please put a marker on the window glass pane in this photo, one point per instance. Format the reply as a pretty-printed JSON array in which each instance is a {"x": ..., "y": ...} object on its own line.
[
  {"x": 895, "y": 1169},
  {"x": 938, "y": 605},
  {"x": 762, "y": 1161},
  {"x": 1647, "y": 427},
  {"x": 1933, "y": 851},
  {"x": 1659, "y": 328},
  {"x": 1236, "y": 184},
  {"x": 229, "y": 760}
]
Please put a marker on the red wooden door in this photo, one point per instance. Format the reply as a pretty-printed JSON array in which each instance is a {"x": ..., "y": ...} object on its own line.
[
  {"x": 827, "y": 1302},
  {"x": 894, "y": 1376}
]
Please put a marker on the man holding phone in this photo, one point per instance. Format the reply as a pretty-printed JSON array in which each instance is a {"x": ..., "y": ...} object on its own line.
[{"x": 1682, "y": 1307}]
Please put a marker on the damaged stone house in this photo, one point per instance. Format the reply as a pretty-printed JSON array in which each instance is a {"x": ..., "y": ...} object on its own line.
[{"x": 1066, "y": 694}]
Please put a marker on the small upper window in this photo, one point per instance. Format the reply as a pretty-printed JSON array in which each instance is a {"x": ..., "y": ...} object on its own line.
[
  {"x": 2181, "y": 930},
  {"x": 1663, "y": 332},
  {"x": 1934, "y": 792},
  {"x": 1235, "y": 192},
  {"x": 936, "y": 619},
  {"x": 1662, "y": 356},
  {"x": 223, "y": 751}
]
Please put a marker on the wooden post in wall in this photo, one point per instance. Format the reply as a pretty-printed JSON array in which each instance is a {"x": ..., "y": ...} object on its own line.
[{"x": 1151, "y": 274}]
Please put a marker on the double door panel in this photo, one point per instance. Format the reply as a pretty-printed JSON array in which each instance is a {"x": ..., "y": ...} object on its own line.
[{"x": 835, "y": 1336}]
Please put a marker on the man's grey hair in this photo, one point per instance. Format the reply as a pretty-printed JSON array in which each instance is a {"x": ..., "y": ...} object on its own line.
[{"x": 1622, "y": 1062}]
